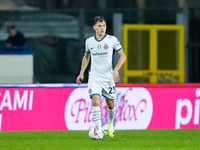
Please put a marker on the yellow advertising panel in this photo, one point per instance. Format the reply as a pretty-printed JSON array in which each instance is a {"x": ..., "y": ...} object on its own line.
[{"x": 155, "y": 53}]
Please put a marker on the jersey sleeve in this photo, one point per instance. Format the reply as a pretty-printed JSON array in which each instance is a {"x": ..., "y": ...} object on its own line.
[
  {"x": 87, "y": 50},
  {"x": 117, "y": 45}
]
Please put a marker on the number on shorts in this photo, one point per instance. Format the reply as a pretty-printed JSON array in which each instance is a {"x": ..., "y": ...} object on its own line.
[{"x": 111, "y": 90}]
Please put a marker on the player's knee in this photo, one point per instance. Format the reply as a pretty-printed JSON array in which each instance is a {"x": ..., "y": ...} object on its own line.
[
  {"x": 110, "y": 104},
  {"x": 96, "y": 101}
]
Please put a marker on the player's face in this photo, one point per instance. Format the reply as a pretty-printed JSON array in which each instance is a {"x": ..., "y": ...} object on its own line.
[{"x": 100, "y": 28}]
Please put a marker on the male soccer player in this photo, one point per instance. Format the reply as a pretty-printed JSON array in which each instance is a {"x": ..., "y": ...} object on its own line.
[{"x": 102, "y": 77}]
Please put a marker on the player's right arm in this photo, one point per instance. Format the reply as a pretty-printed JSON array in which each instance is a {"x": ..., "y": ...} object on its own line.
[{"x": 85, "y": 61}]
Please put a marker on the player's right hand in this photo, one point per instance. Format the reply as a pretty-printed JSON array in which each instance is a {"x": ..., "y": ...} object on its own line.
[{"x": 79, "y": 79}]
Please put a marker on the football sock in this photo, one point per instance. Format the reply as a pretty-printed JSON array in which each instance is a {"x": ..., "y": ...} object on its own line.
[
  {"x": 96, "y": 113},
  {"x": 111, "y": 115}
]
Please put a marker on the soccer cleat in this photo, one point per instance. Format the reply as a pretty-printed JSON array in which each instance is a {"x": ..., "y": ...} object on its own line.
[
  {"x": 105, "y": 133},
  {"x": 111, "y": 131}
]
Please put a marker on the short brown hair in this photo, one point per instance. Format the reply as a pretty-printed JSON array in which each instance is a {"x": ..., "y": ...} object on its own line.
[
  {"x": 10, "y": 27},
  {"x": 99, "y": 19}
]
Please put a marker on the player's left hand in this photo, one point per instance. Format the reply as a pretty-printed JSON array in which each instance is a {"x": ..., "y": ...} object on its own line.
[{"x": 116, "y": 76}]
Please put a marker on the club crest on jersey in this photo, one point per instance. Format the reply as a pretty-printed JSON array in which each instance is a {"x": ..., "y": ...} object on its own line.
[{"x": 106, "y": 46}]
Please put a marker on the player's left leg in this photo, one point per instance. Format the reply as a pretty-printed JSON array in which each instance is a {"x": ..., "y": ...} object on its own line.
[
  {"x": 109, "y": 93},
  {"x": 111, "y": 110},
  {"x": 111, "y": 116}
]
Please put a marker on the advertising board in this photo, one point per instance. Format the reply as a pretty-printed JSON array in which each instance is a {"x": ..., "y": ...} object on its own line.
[{"x": 70, "y": 108}]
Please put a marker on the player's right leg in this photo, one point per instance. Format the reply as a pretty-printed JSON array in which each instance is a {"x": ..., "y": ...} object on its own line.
[
  {"x": 95, "y": 94},
  {"x": 96, "y": 111}
]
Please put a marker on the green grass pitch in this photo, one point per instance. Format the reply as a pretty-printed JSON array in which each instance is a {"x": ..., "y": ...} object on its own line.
[{"x": 123, "y": 140}]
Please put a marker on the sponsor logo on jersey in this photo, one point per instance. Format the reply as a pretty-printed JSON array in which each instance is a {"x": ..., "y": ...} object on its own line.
[
  {"x": 100, "y": 54},
  {"x": 106, "y": 46}
]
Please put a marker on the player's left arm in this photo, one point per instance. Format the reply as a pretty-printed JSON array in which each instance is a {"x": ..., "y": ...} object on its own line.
[{"x": 119, "y": 65}]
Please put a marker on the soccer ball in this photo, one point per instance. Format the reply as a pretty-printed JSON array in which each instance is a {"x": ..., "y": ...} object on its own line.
[{"x": 96, "y": 133}]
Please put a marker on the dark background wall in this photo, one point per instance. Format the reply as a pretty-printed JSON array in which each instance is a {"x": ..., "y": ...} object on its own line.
[{"x": 156, "y": 12}]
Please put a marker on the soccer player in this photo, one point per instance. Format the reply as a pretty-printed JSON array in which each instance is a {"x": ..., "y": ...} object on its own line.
[{"x": 102, "y": 77}]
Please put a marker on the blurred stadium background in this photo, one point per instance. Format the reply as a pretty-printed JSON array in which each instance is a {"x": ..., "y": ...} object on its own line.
[{"x": 56, "y": 31}]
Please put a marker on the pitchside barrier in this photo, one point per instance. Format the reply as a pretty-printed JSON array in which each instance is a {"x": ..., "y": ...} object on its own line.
[
  {"x": 68, "y": 107},
  {"x": 16, "y": 65}
]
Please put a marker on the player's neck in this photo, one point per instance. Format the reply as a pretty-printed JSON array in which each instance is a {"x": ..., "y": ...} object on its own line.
[{"x": 99, "y": 37}]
